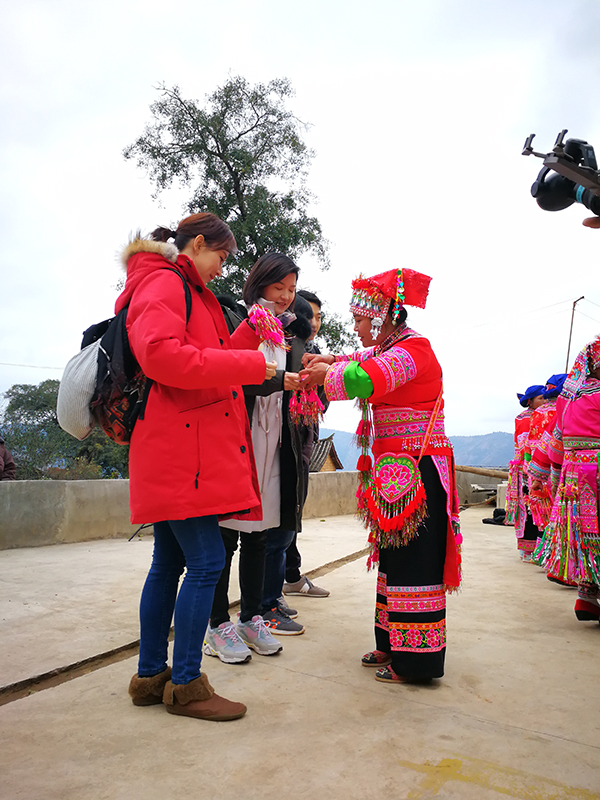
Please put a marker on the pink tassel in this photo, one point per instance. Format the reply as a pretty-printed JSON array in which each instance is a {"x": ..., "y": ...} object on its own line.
[
  {"x": 267, "y": 326},
  {"x": 306, "y": 407}
]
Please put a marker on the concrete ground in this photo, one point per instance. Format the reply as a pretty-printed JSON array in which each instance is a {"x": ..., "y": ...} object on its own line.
[{"x": 516, "y": 715}]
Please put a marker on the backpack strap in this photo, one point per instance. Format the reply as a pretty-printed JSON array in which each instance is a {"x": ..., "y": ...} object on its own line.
[
  {"x": 186, "y": 289},
  {"x": 188, "y": 312}
]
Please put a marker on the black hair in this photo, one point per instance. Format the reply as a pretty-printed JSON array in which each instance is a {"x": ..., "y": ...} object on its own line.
[
  {"x": 402, "y": 314},
  {"x": 217, "y": 234},
  {"x": 310, "y": 296},
  {"x": 270, "y": 268},
  {"x": 303, "y": 307}
]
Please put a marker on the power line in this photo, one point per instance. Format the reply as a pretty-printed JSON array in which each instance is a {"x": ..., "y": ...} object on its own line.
[
  {"x": 530, "y": 311},
  {"x": 29, "y": 366},
  {"x": 588, "y": 316},
  {"x": 592, "y": 302}
]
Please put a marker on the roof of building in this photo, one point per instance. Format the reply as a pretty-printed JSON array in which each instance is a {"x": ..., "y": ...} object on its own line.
[{"x": 322, "y": 449}]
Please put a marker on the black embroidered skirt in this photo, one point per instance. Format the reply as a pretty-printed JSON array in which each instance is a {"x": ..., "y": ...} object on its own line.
[{"x": 410, "y": 611}]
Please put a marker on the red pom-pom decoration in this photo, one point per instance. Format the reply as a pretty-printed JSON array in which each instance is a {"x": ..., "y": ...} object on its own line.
[
  {"x": 364, "y": 428},
  {"x": 364, "y": 463}
]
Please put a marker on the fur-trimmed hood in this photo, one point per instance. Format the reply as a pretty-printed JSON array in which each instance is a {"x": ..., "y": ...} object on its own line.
[
  {"x": 141, "y": 245},
  {"x": 141, "y": 257}
]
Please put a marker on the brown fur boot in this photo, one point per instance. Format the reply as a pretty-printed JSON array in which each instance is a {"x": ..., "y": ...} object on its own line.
[
  {"x": 148, "y": 691},
  {"x": 198, "y": 699}
]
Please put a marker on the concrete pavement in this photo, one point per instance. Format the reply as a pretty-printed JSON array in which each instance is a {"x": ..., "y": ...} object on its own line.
[{"x": 517, "y": 714}]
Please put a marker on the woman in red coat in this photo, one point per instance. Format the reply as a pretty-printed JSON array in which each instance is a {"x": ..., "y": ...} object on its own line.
[{"x": 193, "y": 435}]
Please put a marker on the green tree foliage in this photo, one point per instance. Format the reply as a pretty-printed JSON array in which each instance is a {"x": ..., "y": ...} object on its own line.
[
  {"x": 42, "y": 449},
  {"x": 336, "y": 334},
  {"x": 243, "y": 157}
]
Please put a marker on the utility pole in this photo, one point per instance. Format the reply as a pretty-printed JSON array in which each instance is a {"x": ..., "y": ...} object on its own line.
[{"x": 571, "y": 331}]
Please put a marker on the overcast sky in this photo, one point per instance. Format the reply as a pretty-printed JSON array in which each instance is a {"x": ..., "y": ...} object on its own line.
[{"x": 418, "y": 115}]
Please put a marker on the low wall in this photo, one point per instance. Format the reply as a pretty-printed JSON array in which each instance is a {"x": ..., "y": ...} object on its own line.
[
  {"x": 34, "y": 513},
  {"x": 469, "y": 477}
]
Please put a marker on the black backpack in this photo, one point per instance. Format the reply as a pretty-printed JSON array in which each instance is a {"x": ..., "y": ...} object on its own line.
[{"x": 122, "y": 389}]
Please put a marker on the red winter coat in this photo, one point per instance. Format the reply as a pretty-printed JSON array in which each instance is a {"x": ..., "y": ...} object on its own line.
[{"x": 191, "y": 455}]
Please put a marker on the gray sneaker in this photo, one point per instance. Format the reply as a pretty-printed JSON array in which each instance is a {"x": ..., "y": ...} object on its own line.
[
  {"x": 256, "y": 635},
  {"x": 305, "y": 587},
  {"x": 225, "y": 643},
  {"x": 278, "y": 621},
  {"x": 291, "y": 612}
]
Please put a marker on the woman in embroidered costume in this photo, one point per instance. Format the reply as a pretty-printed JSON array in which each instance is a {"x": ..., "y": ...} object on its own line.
[
  {"x": 542, "y": 419},
  {"x": 517, "y": 495},
  {"x": 571, "y": 545},
  {"x": 544, "y": 470},
  {"x": 407, "y": 496}
]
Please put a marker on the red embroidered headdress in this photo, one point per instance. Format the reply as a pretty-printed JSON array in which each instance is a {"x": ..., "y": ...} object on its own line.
[{"x": 372, "y": 297}]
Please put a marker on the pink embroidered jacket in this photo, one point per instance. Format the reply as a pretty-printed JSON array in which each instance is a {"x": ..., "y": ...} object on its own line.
[
  {"x": 407, "y": 380},
  {"x": 406, "y": 384}
]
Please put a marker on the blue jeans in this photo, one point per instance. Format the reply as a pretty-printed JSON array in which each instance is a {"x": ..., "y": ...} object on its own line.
[
  {"x": 196, "y": 544},
  {"x": 278, "y": 541}
]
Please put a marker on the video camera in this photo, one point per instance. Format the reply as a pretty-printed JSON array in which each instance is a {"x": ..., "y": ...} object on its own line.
[{"x": 570, "y": 174}]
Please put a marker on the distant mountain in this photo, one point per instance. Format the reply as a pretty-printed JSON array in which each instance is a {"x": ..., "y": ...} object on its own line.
[
  {"x": 488, "y": 450},
  {"x": 347, "y": 451}
]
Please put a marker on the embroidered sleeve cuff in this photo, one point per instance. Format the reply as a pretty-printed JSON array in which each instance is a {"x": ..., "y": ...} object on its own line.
[
  {"x": 391, "y": 369},
  {"x": 537, "y": 472},
  {"x": 345, "y": 380}
]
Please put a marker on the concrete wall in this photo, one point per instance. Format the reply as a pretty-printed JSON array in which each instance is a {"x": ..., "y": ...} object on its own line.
[
  {"x": 331, "y": 494},
  {"x": 34, "y": 513},
  {"x": 465, "y": 482}
]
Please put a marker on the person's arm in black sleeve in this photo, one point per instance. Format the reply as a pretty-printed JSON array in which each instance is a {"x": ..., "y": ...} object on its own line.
[{"x": 266, "y": 387}]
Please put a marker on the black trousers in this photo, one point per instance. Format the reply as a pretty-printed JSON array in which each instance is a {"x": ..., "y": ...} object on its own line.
[
  {"x": 293, "y": 562},
  {"x": 252, "y": 575},
  {"x": 410, "y": 611}
]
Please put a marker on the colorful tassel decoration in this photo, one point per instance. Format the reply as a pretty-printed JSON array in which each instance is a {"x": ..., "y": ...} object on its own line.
[
  {"x": 267, "y": 326},
  {"x": 306, "y": 407},
  {"x": 362, "y": 437},
  {"x": 364, "y": 428},
  {"x": 562, "y": 551},
  {"x": 364, "y": 463},
  {"x": 540, "y": 505}
]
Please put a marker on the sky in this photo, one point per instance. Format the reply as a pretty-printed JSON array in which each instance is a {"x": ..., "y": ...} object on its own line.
[{"x": 418, "y": 113}]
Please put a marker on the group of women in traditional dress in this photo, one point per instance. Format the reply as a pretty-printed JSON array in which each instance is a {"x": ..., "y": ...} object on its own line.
[
  {"x": 526, "y": 508},
  {"x": 553, "y": 497},
  {"x": 565, "y": 463}
]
